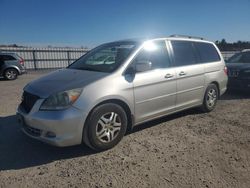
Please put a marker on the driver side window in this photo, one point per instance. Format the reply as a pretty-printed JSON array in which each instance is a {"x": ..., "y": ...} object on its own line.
[{"x": 155, "y": 53}]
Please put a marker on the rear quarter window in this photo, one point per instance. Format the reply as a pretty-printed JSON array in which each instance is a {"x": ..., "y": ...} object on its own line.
[{"x": 207, "y": 52}]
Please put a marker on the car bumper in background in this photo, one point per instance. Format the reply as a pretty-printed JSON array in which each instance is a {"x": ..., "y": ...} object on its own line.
[
  {"x": 239, "y": 84},
  {"x": 23, "y": 71}
]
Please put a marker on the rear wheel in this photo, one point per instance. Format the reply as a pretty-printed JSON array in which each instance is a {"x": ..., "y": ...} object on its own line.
[
  {"x": 10, "y": 74},
  {"x": 106, "y": 126},
  {"x": 210, "y": 98}
]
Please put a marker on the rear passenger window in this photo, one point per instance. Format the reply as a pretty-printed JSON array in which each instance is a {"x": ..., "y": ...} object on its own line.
[
  {"x": 207, "y": 52},
  {"x": 184, "y": 53}
]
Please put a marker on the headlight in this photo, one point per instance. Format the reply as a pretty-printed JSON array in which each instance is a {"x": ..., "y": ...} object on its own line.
[{"x": 61, "y": 100}]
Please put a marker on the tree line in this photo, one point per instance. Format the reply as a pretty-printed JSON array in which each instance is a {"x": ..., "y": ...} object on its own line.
[{"x": 223, "y": 45}]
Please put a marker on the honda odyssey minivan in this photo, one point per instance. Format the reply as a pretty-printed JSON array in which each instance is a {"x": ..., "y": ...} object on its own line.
[{"x": 118, "y": 85}]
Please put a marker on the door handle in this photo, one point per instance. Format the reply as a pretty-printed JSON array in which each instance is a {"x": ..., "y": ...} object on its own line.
[
  {"x": 182, "y": 73},
  {"x": 169, "y": 75}
]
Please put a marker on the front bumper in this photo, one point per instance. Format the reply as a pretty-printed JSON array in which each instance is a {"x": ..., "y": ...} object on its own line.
[
  {"x": 59, "y": 128},
  {"x": 238, "y": 83}
]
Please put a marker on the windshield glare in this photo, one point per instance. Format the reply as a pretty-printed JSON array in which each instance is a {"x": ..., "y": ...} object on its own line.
[{"x": 105, "y": 58}]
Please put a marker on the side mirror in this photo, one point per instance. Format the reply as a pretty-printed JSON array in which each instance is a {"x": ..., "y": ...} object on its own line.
[
  {"x": 130, "y": 70},
  {"x": 143, "y": 65}
]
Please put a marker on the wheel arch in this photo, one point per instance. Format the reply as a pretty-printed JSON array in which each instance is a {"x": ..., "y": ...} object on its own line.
[
  {"x": 217, "y": 85},
  {"x": 119, "y": 102},
  {"x": 12, "y": 67}
]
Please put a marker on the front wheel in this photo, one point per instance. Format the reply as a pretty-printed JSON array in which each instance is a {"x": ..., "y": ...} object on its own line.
[
  {"x": 210, "y": 98},
  {"x": 106, "y": 126},
  {"x": 10, "y": 74}
]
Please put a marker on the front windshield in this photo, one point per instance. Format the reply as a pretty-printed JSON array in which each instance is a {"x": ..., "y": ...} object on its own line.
[{"x": 105, "y": 58}]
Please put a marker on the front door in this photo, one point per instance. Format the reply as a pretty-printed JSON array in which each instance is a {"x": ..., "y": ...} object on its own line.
[{"x": 154, "y": 89}]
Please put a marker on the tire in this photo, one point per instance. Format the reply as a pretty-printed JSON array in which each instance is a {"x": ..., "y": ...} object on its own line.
[
  {"x": 10, "y": 74},
  {"x": 105, "y": 127},
  {"x": 210, "y": 98}
]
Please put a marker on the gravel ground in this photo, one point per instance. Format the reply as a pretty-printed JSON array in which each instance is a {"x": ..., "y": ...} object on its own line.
[{"x": 187, "y": 149}]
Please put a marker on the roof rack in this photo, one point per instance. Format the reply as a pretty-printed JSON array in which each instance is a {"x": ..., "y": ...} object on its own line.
[{"x": 186, "y": 36}]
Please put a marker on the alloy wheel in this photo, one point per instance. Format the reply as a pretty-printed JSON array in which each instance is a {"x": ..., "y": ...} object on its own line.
[
  {"x": 10, "y": 74},
  {"x": 108, "y": 127},
  {"x": 211, "y": 97}
]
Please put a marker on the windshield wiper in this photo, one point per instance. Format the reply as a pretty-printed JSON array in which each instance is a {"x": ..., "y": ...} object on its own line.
[
  {"x": 84, "y": 68},
  {"x": 88, "y": 69}
]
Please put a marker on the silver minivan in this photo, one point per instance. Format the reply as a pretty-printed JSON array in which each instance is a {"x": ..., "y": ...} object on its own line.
[{"x": 121, "y": 84}]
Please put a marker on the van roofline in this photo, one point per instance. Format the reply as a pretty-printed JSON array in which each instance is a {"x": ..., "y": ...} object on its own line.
[
  {"x": 172, "y": 37},
  {"x": 186, "y": 36}
]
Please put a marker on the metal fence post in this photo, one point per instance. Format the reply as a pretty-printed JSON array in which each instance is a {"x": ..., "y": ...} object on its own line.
[
  {"x": 34, "y": 59},
  {"x": 68, "y": 56}
]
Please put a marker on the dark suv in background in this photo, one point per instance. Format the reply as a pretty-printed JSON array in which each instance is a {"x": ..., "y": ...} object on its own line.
[
  {"x": 11, "y": 65},
  {"x": 239, "y": 71}
]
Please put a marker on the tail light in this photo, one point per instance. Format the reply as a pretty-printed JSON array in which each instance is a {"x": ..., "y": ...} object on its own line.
[
  {"x": 225, "y": 70},
  {"x": 21, "y": 62}
]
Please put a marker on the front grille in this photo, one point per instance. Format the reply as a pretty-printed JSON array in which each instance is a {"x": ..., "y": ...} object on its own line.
[
  {"x": 32, "y": 131},
  {"x": 28, "y": 101}
]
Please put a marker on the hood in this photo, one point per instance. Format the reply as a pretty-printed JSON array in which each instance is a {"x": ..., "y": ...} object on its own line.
[
  {"x": 238, "y": 66},
  {"x": 61, "y": 80}
]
